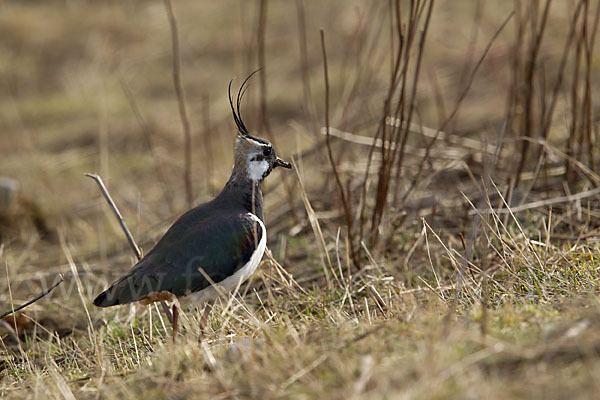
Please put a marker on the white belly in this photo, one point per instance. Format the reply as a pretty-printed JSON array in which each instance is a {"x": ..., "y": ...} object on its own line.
[{"x": 240, "y": 276}]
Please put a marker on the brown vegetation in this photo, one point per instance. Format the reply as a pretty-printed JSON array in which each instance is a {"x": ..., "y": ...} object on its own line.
[{"x": 438, "y": 238}]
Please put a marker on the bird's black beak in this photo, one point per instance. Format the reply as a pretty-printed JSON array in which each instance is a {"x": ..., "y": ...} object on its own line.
[{"x": 280, "y": 163}]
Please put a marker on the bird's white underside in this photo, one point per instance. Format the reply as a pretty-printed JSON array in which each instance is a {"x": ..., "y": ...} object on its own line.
[
  {"x": 257, "y": 169},
  {"x": 240, "y": 276}
]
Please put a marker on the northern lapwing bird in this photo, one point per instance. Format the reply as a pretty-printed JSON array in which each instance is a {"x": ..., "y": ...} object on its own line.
[{"x": 220, "y": 242}]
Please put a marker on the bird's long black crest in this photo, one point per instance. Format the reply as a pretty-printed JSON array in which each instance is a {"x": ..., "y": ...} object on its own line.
[{"x": 237, "y": 115}]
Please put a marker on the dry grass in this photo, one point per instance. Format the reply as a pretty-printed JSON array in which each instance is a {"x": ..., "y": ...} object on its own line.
[{"x": 474, "y": 268}]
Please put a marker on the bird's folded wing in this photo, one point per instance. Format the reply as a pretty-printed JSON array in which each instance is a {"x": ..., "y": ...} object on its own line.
[{"x": 218, "y": 246}]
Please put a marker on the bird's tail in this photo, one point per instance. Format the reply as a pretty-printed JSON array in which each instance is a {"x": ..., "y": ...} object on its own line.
[
  {"x": 116, "y": 294},
  {"x": 108, "y": 298}
]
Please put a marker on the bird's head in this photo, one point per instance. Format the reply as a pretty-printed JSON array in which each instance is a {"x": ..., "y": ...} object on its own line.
[{"x": 254, "y": 156}]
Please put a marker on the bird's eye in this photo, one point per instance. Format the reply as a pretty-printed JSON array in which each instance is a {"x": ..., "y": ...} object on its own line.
[{"x": 268, "y": 151}]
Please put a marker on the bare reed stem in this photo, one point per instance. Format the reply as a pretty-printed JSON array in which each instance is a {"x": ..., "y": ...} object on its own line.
[
  {"x": 183, "y": 113},
  {"x": 347, "y": 210},
  {"x": 30, "y": 302},
  {"x": 134, "y": 247},
  {"x": 262, "y": 64}
]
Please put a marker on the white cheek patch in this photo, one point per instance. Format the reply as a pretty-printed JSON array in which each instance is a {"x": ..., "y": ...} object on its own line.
[{"x": 257, "y": 169}]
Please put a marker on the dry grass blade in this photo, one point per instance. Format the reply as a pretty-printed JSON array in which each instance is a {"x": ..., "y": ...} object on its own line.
[
  {"x": 544, "y": 203},
  {"x": 79, "y": 285},
  {"x": 314, "y": 223}
]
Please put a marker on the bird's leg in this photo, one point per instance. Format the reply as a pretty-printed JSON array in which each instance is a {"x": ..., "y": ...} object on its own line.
[
  {"x": 168, "y": 313},
  {"x": 175, "y": 320},
  {"x": 204, "y": 320}
]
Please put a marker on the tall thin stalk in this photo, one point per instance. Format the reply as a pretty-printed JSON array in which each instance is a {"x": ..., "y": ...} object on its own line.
[
  {"x": 183, "y": 113},
  {"x": 345, "y": 204}
]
